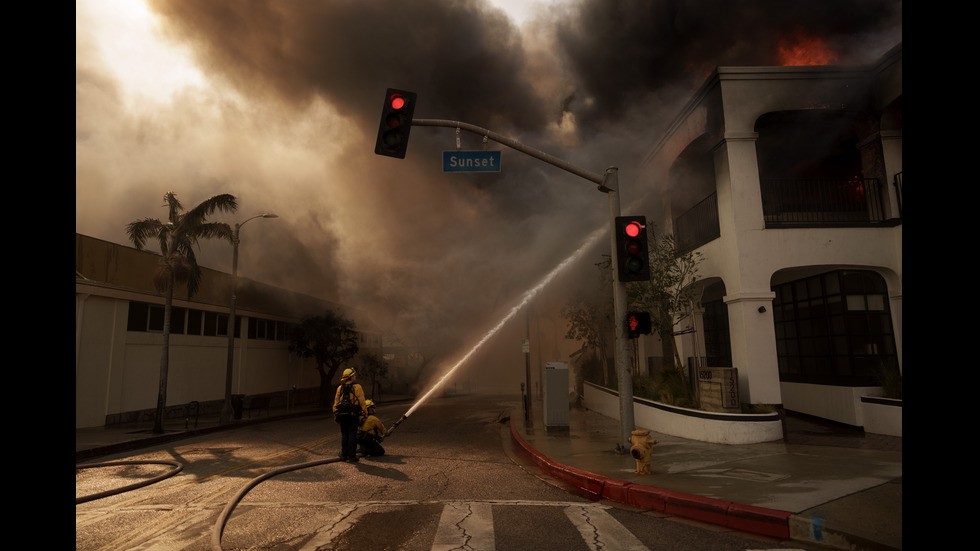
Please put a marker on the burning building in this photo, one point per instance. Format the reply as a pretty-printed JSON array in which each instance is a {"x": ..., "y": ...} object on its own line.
[{"x": 788, "y": 180}]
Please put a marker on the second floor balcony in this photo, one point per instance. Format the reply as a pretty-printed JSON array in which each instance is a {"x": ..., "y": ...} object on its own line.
[
  {"x": 823, "y": 202},
  {"x": 797, "y": 203}
]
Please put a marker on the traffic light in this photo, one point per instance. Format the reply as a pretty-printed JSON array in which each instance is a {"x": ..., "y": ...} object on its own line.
[
  {"x": 638, "y": 323},
  {"x": 396, "y": 123},
  {"x": 633, "y": 258}
]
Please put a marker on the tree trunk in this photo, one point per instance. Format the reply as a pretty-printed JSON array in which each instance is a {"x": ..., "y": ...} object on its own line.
[
  {"x": 680, "y": 368},
  {"x": 164, "y": 358},
  {"x": 326, "y": 399},
  {"x": 605, "y": 363}
]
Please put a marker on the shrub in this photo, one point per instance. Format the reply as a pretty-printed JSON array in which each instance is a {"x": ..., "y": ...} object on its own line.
[{"x": 669, "y": 387}]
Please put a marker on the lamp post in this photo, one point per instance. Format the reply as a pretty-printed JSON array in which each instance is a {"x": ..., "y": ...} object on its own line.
[{"x": 226, "y": 409}]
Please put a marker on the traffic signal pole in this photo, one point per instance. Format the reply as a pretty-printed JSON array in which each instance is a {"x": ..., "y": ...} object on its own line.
[
  {"x": 608, "y": 183},
  {"x": 621, "y": 353}
]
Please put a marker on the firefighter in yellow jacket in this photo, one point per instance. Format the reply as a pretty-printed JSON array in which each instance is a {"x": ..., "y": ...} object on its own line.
[
  {"x": 348, "y": 408},
  {"x": 371, "y": 432}
]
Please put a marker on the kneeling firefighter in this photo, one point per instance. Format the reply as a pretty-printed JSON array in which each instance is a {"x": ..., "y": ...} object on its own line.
[{"x": 371, "y": 432}]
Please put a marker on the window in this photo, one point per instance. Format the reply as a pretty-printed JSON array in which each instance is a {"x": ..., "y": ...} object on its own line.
[
  {"x": 215, "y": 324},
  {"x": 717, "y": 339},
  {"x": 834, "y": 328},
  {"x": 149, "y": 318},
  {"x": 146, "y": 317},
  {"x": 177, "y": 320},
  {"x": 261, "y": 329},
  {"x": 138, "y": 312},
  {"x": 195, "y": 322}
]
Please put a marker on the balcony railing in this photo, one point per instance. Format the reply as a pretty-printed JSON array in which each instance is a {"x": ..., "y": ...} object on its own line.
[
  {"x": 697, "y": 226},
  {"x": 804, "y": 203},
  {"x": 822, "y": 202}
]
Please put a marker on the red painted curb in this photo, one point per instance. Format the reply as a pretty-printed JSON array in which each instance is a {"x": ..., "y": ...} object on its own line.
[
  {"x": 648, "y": 497},
  {"x": 590, "y": 483},
  {"x": 758, "y": 520},
  {"x": 700, "y": 508},
  {"x": 617, "y": 490},
  {"x": 746, "y": 518}
]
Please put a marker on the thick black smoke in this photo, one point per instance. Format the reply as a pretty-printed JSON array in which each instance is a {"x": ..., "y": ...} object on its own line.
[
  {"x": 464, "y": 58},
  {"x": 592, "y": 82}
]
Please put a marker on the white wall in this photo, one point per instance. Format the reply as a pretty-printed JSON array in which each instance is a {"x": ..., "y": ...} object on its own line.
[
  {"x": 699, "y": 425},
  {"x": 119, "y": 371}
]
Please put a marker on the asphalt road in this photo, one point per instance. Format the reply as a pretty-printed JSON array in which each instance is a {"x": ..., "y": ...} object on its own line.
[{"x": 449, "y": 479}]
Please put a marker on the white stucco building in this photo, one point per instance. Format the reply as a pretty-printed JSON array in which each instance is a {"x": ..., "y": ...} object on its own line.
[
  {"x": 788, "y": 180},
  {"x": 118, "y": 339}
]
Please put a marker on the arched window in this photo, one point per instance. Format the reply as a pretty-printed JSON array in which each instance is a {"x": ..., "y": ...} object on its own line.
[{"x": 834, "y": 328}]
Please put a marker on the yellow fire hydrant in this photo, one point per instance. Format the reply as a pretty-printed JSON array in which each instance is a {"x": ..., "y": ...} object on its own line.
[{"x": 641, "y": 450}]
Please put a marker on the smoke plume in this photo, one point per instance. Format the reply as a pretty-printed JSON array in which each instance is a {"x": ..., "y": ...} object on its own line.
[{"x": 286, "y": 115}]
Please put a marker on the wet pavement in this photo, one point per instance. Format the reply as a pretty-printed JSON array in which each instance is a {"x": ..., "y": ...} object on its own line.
[{"x": 821, "y": 483}]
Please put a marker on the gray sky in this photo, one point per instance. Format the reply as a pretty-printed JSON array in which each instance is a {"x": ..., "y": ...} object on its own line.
[{"x": 277, "y": 102}]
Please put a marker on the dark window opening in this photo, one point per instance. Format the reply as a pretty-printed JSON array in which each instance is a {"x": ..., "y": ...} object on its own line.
[
  {"x": 834, "y": 328},
  {"x": 717, "y": 340},
  {"x": 144, "y": 317},
  {"x": 138, "y": 312}
]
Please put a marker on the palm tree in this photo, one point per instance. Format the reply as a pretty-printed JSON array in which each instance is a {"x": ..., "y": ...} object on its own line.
[{"x": 178, "y": 263}]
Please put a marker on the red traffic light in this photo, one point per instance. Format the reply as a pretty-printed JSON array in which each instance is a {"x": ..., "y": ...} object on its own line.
[
  {"x": 633, "y": 229},
  {"x": 396, "y": 123},
  {"x": 632, "y": 257}
]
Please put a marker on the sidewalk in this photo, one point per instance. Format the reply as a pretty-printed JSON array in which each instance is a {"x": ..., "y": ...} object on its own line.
[
  {"x": 836, "y": 488},
  {"x": 819, "y": 484}
]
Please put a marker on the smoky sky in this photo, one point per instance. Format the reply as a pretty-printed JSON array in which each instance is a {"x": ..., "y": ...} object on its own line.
[{"x": 593, "y": 82}]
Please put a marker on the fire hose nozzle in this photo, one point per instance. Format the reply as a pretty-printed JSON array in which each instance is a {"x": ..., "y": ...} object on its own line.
[{"x": 395, "y": 425}]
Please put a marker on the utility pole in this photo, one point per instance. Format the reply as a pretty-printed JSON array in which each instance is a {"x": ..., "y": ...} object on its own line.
[{"x": 608, "y": 184}]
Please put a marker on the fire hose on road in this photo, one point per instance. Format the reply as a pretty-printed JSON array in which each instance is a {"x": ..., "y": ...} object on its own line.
[
  {"x": 177, "y": 468},
  {"x": 219, "y": 526}
]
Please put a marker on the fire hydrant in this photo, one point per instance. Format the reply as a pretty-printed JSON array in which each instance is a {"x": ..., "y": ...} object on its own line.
[{"x": 641, "y": 450}]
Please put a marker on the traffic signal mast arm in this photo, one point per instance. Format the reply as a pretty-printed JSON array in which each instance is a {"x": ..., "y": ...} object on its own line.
[
  {"x": 605, "y": 185},
  {"x": 608, "y": 184}
]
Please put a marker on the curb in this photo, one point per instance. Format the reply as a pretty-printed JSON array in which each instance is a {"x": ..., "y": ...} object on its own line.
[{"x": 745, "y": 518}]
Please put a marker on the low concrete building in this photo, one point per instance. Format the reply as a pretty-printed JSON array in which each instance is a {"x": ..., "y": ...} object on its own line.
[{"x": 118, "y": 339}]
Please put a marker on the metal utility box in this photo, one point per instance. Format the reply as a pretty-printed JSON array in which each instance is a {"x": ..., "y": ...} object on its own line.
[{"x": 556, "y": 396}]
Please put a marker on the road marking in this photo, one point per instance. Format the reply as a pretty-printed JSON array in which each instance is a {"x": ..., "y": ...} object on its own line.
[
  {"x": 469, "y": 524},
  {"x": 348, "y": 514},
  {"x": 465, "y": 525},
  {"x": 600, "y": 531}
]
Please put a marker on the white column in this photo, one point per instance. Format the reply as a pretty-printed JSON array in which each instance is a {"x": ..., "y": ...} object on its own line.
[{"x": 753, "y": 337}]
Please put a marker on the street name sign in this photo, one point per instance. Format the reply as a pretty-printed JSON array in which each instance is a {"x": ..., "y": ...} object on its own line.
[{"x": 471, "y": 161}]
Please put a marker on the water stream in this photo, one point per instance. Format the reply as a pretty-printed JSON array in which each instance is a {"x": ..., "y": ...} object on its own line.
[{"x": 525, "y": 299}]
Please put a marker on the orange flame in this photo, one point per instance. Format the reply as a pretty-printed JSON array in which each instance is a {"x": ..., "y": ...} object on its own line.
[{"x": 804, "y": 49}]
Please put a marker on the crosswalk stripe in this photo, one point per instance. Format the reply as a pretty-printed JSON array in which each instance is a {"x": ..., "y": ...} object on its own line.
[
  {"x": 469, "y": 524},
  {"x": 465, "y": 525},
  {"x": 600, "y": 531},
  {"x": 348, "y": 515}
]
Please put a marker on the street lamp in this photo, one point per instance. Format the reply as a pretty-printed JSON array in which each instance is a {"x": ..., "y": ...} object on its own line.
[{"x": 226, "y": 409}]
